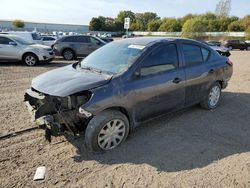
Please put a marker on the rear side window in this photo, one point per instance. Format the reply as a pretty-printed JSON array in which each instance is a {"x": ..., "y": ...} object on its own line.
[
  {"x": 4, "y": 40},
  {"x": 164, "y": 58},
  {"x": 82, "y": 39},
  {"x": 48, "y": 39},
  {"x": 69, "y": 39},
  {"x": 35, "y": 36},
  {"x": 192, "y": 54},
  {"x": 205, "y": 54}
]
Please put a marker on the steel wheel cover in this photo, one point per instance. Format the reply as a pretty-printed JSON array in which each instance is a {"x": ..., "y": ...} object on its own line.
[
  {"x": 111, "y": 134},
  {"x": 214, "y": 96}
]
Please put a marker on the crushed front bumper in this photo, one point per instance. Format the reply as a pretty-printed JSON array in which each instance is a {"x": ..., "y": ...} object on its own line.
[{"x": 45, "y": 113}]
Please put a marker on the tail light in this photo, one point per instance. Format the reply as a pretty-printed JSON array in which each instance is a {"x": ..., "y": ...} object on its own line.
[{"x": 229, "y": 62}]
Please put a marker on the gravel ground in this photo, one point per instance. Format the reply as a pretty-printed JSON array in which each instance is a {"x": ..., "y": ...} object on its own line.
[{"x": 191, "y": 148}]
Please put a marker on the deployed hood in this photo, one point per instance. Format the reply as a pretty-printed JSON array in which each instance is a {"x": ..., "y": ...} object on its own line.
[{"x": 68, "y": 80}]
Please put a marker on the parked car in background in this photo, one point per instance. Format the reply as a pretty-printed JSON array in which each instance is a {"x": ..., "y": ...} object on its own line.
[
  {"x": 124, "y": 83},
  {"x": 236, "y": 44},
  {"x": 14, "y": 48},
  {"x": 71, "y": 47},
  {"x": 31, "y": 37},
  {"x": 220, "y": 49},
  {"x": 247, "y": 41},
  {"x": 106, "y": 39},
  {"x": 214, "y": 43},
  {"x": 48, "y": 41}
]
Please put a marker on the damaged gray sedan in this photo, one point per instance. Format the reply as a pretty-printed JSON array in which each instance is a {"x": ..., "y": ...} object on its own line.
[{"x": 125, "y": 83}]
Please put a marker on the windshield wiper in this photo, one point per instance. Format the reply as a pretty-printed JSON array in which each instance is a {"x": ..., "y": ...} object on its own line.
[{"x": 91, "y": 69}]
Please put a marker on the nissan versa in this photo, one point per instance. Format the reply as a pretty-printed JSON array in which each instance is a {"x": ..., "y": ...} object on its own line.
[{"x": 125, "y": 83}]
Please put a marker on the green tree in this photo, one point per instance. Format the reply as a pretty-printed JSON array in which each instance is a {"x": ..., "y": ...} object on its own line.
[
  {"x": 208, "y": 16},
  {"x": 213, "y": 26},
  {"x": 143, "y": 19},
  {"x": 18, "y": 24},
  {"x": 248, "y": 33},
  {"x": 187, "y": 17},
  {"x": 235, "y": 26},
  {"x": 170, "y": 25},
  {"x": 194, "y": 28},
  {"x": 119, "y": 21},
  {"x": 154, "y": 25},
  {"x": 246, "y": 21},
  {"x": 97, "y": 24}
]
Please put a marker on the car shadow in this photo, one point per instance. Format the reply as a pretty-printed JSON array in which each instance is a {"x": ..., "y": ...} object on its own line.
[{"x": 191, "y": 138}]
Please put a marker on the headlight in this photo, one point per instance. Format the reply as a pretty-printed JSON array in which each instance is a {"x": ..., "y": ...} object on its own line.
[{"x": 84, "y": 112}]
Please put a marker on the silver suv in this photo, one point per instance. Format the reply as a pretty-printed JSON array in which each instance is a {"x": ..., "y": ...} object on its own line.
[
  {"x": 70, "y": 47},
  {"x": 14, "y": 48}
]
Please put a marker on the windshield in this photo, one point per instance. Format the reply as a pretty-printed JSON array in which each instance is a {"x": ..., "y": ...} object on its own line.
[
  {"x": 114, "y": 57},
  {"x": 21, "y": 41}
]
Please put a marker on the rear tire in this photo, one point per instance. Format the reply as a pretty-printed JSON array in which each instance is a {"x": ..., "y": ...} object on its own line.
[
  {"x": 30, "y": 59},
  {"x": 212, "y": 99},
  {"x": 106, "y": 131},
  {"x": 68, "y": 54}
]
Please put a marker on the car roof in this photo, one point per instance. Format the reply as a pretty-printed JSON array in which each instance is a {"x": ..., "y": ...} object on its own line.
[
  {"x": 145, "y": 41},
  {"x": 8, "y": 35}
]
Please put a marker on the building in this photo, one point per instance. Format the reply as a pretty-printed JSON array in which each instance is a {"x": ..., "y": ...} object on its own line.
[{"x": 6, "y": 25}]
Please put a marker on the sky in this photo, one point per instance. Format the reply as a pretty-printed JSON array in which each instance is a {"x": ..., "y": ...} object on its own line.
[{"x": 81, "y": 11}]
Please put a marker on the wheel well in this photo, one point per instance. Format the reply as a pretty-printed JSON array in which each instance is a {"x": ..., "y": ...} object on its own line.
[
  {"x": 220, "y": 82},
  {"x": 126, "y": 113},
  {"x": 29, "y": 53}
]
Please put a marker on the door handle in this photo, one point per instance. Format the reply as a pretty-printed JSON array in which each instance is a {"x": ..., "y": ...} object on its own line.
[
  {"x": 211, "y": 71},
  {"x": 177, "y": 80}
]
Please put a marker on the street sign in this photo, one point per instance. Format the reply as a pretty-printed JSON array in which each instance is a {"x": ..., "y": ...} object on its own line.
[{"x": 126, "y": 23}]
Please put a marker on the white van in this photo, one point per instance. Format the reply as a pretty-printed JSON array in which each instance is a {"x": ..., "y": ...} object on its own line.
[{"x": 31, "y": 37}]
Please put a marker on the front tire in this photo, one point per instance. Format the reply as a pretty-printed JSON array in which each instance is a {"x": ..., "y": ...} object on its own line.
[
  {"x": 106, "y": 131},
  {"x": 30, "y": 59},
  {"x": 212, "y": 99}
]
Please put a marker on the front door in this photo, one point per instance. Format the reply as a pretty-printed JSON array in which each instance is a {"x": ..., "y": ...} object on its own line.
[
  {"x": 159, "y": 88},
  {"x": 7, "y": 49}
]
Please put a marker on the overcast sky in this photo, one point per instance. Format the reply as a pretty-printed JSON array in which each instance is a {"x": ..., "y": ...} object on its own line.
[{"x": 81, "y": 11}]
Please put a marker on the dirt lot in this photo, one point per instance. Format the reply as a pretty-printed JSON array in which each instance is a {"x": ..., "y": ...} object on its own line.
[{"x": 192, "y": 148}]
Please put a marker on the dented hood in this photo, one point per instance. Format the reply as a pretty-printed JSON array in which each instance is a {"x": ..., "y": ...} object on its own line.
[{"x": 68, "y": 80}]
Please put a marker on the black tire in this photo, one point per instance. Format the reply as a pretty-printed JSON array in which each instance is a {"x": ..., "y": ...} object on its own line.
[
  {"x": 30, "y": 59},
  {"x": 98, "y": 123},
  {"x": 68, "y": 54},
  {"x": 206, "y": 103}
]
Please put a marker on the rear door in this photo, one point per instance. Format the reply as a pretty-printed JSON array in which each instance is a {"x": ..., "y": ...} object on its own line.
[
  {"x": 83, "y": 45},
  {"x": 93, "y": 44},
  {"x": 159, "y": 88},
  {"x": 199, "y": 72}
]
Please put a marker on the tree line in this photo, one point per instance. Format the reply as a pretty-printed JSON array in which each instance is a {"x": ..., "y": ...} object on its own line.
[{"x": 149, "y": 21}]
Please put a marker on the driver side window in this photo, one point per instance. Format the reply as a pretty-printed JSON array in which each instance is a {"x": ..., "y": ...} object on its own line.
[
  {"x": 164, "y": 58},
  {"x": 5, "y": 41}
]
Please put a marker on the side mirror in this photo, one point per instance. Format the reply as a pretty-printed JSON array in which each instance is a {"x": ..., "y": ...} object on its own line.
[{"x": 12, "y": 43}]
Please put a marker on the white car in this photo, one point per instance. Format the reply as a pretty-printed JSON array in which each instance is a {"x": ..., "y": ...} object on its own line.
[
  {"x": 48, "y": 41},
  {"x": 31, "y": 37},
  {"x": 14, "y": 48}
]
